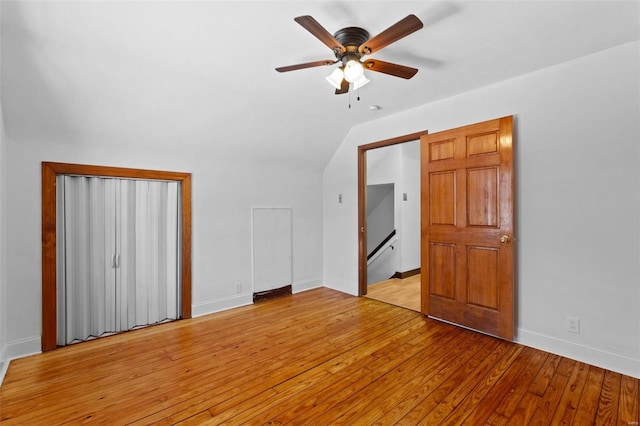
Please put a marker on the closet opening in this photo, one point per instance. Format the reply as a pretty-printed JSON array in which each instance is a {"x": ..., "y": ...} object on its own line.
[{"x": 121, "y": 234}]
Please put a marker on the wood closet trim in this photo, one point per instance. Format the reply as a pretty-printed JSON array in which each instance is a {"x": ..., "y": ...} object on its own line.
[
  {"x": 362, "y": 202},
  {"x": 49, "y": 277}
]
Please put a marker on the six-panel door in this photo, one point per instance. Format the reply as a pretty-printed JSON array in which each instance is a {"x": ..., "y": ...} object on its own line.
[{"x": 467, "y": 226}]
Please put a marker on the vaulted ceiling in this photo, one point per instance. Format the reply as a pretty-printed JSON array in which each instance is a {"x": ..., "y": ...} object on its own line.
[{"x": 200, "y": 74}]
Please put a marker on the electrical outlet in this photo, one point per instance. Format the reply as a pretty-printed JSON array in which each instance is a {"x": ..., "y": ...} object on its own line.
[
  {"x": 238, "y": 288},
  {"x": 573, "y": 325}
]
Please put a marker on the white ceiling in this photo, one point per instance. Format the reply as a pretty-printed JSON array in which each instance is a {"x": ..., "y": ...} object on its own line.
[{"x": 200, "y": 75}]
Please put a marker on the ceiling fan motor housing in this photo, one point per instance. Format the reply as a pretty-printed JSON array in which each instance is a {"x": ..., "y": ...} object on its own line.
[{"x": 351, "y": 38}]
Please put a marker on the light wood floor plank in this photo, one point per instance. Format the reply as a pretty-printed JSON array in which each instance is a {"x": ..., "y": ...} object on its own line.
[
  {"x": 215, "y": 393},
  {"x": 363, "y": 406},
  {"x": 571, "y": 396},
  {"x": 526, "y": 361},
  {"x": 629, "y": 397},
  {"x": 317, "y": 357},
  {"x": 586, "y": 411},
  {"x": 345, "y": 368},
  {"x": 550, "y": 399},
  {"x": 350, "y": 380},
  {"x": 436, "y": 406},
  {"x": 521, "y": 384},
  {"x": 399, "y": 292},
  {"x": 607, "y": 412},
  {"x": 439, "y": 356}
]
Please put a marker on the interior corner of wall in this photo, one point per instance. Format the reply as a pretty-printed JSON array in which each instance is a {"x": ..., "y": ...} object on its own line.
[
  {"x": 4, "y": 362},
  {"x": 23, "y": 347},
  {"x": 222, "y": 304},
  {"x": 306, "y": 285},
  {"x": 341, "y": 287},
  {"x": 4, "y": 366}
]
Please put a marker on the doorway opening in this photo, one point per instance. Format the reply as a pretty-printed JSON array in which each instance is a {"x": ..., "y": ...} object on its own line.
[{"x": 389, "y": 220}]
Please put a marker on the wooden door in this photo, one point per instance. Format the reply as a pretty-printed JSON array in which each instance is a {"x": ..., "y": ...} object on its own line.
[{"x": 467, "y": 226}]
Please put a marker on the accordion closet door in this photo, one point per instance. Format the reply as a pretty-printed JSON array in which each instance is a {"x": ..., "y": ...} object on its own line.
[{"x": 117, "y": 255}]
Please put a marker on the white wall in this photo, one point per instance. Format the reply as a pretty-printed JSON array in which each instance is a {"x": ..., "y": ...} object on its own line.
[
  {"x": 410, "y": 209},
  {"x": 3, "y": 244},
  {"x": 380, "y": 218},
  {"x": 3, "y": 250},
  {"x": 224, "y": 190},
  {"x": 578, "y": 213},
  {"x": 400, "y": 164}
]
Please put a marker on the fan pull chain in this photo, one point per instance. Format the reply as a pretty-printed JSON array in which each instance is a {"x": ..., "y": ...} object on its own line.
[{"x": 357, "y": 98}]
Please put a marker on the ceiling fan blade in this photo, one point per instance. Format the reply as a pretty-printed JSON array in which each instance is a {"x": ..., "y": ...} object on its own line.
[
  {"x": 321, "y": 34},
  {"x": 400, "y": 29},
  {"x": 344, "y": 87},
  {"x": 306, "y": 65},
  {"x": 390, "y": 68}
]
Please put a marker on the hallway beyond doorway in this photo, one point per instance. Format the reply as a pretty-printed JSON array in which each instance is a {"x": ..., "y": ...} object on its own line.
[{"x": 399, "y": 292}]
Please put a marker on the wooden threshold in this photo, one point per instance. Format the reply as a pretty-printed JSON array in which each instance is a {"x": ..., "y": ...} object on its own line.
[{"x": 317, "y": 357}]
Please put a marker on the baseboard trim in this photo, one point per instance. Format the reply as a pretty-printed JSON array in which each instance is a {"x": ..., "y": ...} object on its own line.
[
  {"x": 273, "y": 293},
  {"x": 18, "y": 349},
  {"x": 218, "y": 305},
  {"x": 601, "y": 358},
  {"x": 4, "y": 364},
  {"x": 244, "y": 299},
  {"x": 24, "y": 347},
  {"x": 347, "y": 288},
  {"x": 306, "y": 285},
  {"x": 406, "y": 274}
]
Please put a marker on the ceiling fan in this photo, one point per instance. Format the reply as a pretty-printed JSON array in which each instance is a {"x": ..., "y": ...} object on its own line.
[{"x": 350, "y": 45}]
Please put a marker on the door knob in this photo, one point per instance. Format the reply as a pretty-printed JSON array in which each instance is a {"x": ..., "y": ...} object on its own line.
[{"x": 505, "y": 239}]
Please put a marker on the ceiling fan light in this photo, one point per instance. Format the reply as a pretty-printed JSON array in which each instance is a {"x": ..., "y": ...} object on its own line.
[
  {"x": 335, "y": 78},
  {"x": 353, "y": 71},
  {"x": 360, "y": 82}
]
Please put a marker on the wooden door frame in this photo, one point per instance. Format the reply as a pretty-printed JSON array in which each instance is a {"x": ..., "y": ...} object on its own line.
[
  {"x": 362, "y": 200},
  {"x": 49, "y": 237}
]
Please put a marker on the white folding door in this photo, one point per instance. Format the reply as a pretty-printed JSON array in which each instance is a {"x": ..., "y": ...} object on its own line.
[{"x": 118, "y": 250}]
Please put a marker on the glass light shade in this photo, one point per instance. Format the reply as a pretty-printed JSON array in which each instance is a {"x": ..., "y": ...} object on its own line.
[
  {"x": 335, "y": 78},
  {"x": 360, "y": 82},
  {"x": 353, "y": 71}
]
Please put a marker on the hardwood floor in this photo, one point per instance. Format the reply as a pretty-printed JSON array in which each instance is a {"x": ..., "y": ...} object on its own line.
[
  {"x": 399, "y": 292},
  {"x": 319, "y": 357}
]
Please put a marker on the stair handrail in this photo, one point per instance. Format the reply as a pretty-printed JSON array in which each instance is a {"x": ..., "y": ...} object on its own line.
[
  {"x": 379, "y": 247},
  {"x": 379, "y": 252}
]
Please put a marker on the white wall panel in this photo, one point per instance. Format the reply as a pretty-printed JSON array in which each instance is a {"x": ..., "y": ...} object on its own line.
[
  {"x": 272, "y": 251},
  {"x": 3, "y": 248}
]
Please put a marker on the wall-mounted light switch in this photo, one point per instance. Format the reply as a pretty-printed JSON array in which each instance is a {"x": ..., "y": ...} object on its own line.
[
  {"x": 404, "y": 196},
  {"x": 339, "y": 198}
]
